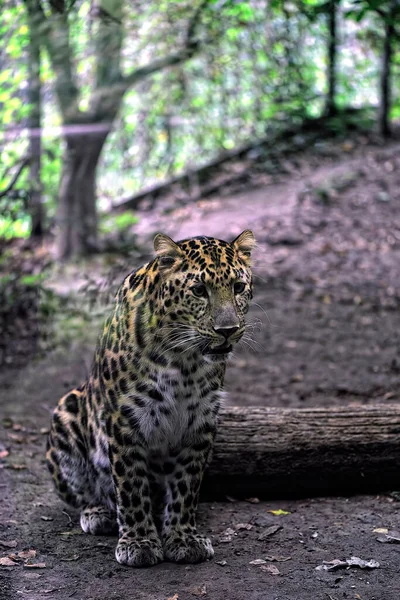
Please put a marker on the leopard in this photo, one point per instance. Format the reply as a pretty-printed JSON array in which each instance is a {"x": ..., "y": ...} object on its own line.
[{"x": 129, "y": 447}]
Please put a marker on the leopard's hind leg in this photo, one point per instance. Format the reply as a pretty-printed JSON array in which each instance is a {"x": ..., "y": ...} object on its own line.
[{"x": 78, "y": 481}]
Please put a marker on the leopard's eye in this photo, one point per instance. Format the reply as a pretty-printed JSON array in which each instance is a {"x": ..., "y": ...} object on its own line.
[
  {"x": 200, "y": 290},
  {"x": 239, "y": 287}
]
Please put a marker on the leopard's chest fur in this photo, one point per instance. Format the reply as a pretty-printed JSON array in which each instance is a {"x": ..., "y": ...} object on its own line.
[
  {"x": 175, "y": 401},
  {"x": 189, "y": 400}
]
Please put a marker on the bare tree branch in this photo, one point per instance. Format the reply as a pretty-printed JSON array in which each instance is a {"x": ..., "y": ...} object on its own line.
[
  {"x": 111, "y": 85},
  {"x": 190, "y": 48},
  {"x": 54, "y": 31},
  {"x": 194, "y": 21},
  {"x": 24, "y": 163}
]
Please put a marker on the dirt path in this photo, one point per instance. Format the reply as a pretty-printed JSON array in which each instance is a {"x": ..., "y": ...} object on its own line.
[
  {"x": 326, "y": 279},
  {"x": 328, "y": 287},
  {"x": 83, "y": 567}
]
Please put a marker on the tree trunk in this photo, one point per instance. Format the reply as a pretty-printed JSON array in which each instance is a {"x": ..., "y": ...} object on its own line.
[
  {"x": 77, "y": 212},
  {"x": 385, "y": 82},
  {"x": 269, "y": 452},
  {"x": 34, "y": 126},
  {"x": 331, "y": 108}
]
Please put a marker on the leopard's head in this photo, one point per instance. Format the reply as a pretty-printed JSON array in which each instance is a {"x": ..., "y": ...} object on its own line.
[{"x": 204, "y": 292}]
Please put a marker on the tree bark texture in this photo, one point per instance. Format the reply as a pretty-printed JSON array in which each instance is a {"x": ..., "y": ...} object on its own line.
[
  {"x": 77, "y": 214},
  {"x": 331, "y": 108},
  {"x": 385, "y": 82},
  {"x": 34, "y": 125},
  {"x": 270, "y": 452}
]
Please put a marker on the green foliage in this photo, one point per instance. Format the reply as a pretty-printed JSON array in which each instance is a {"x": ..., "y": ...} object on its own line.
[
  {"x": 261, "y": 66},
  {"x": 14, "y": 220},
  {"x": 111, "y": 223}
]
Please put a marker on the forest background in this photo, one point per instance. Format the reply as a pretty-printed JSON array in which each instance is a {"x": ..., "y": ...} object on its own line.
[{"x": 100, "y": 100}]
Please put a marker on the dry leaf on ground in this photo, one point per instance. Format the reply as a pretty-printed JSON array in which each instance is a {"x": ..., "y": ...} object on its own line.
[
  {"x": 4, "y": 453},
  {"x": 25, "y": 554},
  {"x": 257, "y": 562},
  {"x": 278, "y": 512},
  {"x": 240, "y": 526},
  {"x": 200, "y": 590},
  {"x": 274, "y": 558},
  {"x": 270, "y": 569},
  {"x": 174, "y": 597},
  {"x": 7, "y": 562},
  {"x": 230, "y": 499},
  {"x": 44, "y": 518},
  {"x": 34, "y": 565},
  {"x": 252, "y": 500},
  {"x": 392, "y": 537},
  {"x": 353, "y": 561},
  {"x": 227, "y": 535},
  {"x": 268, "y": 532}
]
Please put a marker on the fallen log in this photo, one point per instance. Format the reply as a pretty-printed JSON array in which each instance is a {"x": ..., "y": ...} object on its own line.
[{"x": 271, "y": 452}]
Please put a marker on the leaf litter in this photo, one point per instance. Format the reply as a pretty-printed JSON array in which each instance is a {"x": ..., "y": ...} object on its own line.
[
  {"x": 240, "y": 526},
  {"x": 5, "y": 561},
  {"x": 200, "y": 590},
  {"x": 227, "y": 535},
  {"x": 391, "y": 537},
  {"x": 268, "y": 532},
  {"x": 278, "y": 558},
  {"x": 270, "y": 569},
  {"x": 279, "y": 512},
  {"x": 353, "y": 561},
  {"x": 23, "y": 558}
]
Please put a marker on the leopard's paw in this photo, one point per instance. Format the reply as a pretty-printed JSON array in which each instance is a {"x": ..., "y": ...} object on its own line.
[
  {"x": 138, "y": 552},
  {"x": 188, "y": 548},
  {"x": 97, "y": 520}
]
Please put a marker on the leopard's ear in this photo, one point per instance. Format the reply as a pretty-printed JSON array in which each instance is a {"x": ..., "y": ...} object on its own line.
[
  {"x": 167, "y": 250},
  {"x": 244, "y": 244}
]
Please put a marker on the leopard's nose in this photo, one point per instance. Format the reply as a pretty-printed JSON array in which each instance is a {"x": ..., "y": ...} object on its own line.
[{"x": 226, "y": 332}]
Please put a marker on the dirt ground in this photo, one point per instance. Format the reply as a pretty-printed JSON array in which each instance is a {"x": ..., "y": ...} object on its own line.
[{"x": 327, "y": 295}]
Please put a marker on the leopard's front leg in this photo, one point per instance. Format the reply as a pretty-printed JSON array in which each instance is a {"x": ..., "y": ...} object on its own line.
[
  {"x": 139, "y": 544},
  {"x": 181, "y": 541}
]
